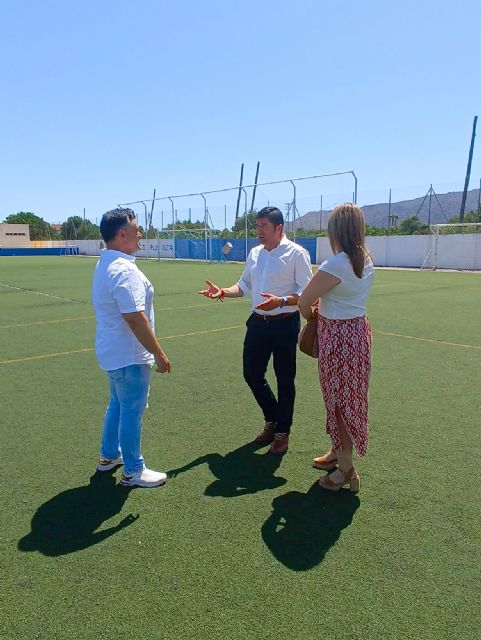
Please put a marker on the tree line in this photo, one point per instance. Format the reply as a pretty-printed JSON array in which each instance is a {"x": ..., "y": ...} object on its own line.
[
  {"x": 74, "y": 228},
  {"x": 78, "y": 228}
]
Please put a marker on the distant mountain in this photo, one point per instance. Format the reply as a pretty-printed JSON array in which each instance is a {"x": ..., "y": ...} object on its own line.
[{"x": 443, "y": 206}]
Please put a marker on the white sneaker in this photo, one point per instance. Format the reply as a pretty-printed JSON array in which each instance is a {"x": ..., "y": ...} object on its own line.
[
  {"x": 106, "y": 465},
  {"x": 145, "y": 478}
]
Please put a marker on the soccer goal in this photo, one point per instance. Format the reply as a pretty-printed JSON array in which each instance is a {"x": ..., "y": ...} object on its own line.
[{"x": 454, "y": 246}]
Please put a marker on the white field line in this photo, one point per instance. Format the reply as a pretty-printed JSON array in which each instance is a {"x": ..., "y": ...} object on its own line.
[{"x": 40, "y": 293}]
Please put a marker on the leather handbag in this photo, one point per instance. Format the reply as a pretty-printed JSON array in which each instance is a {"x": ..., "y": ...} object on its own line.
[{"x": 308, "y": 341}]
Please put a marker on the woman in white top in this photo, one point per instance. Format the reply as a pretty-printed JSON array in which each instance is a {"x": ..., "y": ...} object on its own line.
[{"x": 342, "y": 285}]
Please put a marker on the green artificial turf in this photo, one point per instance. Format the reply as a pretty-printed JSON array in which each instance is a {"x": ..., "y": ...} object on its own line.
[{"x": 237, "y": 545}]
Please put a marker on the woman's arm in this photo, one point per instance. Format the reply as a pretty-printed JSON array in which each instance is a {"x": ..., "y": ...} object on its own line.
[{"x": 320, "y": 283}]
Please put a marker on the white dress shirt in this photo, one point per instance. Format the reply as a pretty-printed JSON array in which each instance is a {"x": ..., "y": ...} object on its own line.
[
  {"x": 283, "y": 271},
  {"x": 120, "y": 287}
]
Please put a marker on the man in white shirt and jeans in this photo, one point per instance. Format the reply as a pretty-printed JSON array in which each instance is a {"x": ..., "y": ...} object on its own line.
[
  {"x": 275, "y": 275},
  {"x": 125, "y": 346}
]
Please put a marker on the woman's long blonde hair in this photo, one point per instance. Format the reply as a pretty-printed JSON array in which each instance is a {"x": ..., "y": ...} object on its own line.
[{"x": 346, "y": 230}]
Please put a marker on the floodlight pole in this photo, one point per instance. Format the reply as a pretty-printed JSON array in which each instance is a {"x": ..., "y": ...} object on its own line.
[
  {"x": 355, "y": 187},
  {"x": 245, "y": 217},
  {"x": 468, "y": 171},
  {"x": 255, "y": 186},
  {"x": 146, "y": 227}
]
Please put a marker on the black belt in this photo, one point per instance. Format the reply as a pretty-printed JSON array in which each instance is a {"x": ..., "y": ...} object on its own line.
[{"x": 278, "y": 316}]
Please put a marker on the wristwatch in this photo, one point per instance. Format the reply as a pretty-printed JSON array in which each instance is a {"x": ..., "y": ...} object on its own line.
[{"x": 283, "y": 301}]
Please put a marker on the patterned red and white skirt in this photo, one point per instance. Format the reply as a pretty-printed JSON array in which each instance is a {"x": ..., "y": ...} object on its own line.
[{"x": 344, "y": 372}]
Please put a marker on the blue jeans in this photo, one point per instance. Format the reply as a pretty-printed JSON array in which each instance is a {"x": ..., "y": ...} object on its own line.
[{"x": 129, "y": 390}]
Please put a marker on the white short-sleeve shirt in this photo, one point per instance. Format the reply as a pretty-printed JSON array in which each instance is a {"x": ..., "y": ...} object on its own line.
[
  {"x": 120, "y": 287},
  {"x": 283, "y": 271},
  {"x": 347, "y": 299}
]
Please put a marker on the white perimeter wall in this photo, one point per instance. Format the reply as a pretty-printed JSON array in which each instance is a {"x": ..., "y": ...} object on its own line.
[
  {"x": 388, "y": 251},
  {"x": 454, "y": 251},
  {"x": 151, "y": 248}
]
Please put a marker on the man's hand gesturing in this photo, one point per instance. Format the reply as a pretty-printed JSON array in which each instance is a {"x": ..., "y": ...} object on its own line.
[
  {"x": 272, "y": 302},
  {"x": 214, "y": 292}
]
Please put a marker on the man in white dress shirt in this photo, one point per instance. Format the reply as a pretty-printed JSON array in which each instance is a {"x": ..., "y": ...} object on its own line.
[
  {"x": 125, "y": 346},
  {"x": 275, "y": 275}
]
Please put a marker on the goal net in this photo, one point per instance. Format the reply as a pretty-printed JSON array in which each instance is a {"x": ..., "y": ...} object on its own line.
[
  {"x": 220, "y": 224},
  {"x": 176, "y": 239},
  {"x": 183, "y": 244},
  {"x": 454, "y": 246}
]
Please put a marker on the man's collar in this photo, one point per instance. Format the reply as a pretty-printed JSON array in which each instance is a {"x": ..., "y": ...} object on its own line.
[{"x": 114, "y": 253}]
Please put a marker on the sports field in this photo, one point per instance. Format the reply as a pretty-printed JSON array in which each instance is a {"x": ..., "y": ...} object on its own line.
[{"x": 237, "y": 544}]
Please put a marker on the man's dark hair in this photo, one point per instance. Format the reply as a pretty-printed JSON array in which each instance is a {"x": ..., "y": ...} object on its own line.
[
  {"x": 273, "y": 214},
  {"x": 114, "y": 220}
]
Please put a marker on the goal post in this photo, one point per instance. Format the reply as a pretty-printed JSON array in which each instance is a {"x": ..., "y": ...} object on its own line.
[{"x": 454, "y": 246}]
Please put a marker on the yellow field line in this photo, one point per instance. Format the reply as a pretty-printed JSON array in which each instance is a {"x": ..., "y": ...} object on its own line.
[
  {"x": 198, "y": 333},
  {"x": 88, "y": 349},
  {"x": 58, "y": 320},
  {"x": 46, "y": 355},
  {"x": 450, "y": 344},
  {"x": 30, "y": 324}
]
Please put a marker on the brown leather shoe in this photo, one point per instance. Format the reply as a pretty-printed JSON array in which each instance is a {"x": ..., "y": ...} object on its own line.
[
  {"x": 280, "y": 444},
  {"x": 267, "y": 435}
]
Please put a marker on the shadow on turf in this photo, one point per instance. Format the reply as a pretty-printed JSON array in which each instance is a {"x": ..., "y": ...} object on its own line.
[
  {"x": 240, "y": 472},
  {"x": 304, "y": 526},
  {"x": 68, "y": 522}
]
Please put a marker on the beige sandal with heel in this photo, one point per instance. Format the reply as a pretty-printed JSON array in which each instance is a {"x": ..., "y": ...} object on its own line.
[
  {"x": 351, "y": 477},
  {"x": 322, "y": 463}
]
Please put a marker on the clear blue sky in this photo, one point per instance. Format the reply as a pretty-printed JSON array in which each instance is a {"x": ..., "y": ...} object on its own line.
[{"x": 104, "y": 100}]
